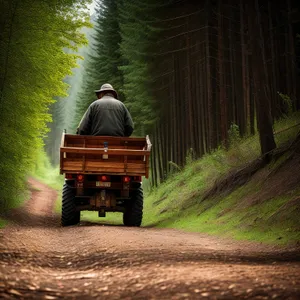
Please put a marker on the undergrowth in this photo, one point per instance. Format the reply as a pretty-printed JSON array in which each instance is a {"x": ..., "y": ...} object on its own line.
[
  {"x": 49, "y": 175},
  {"x": 178, "y": 202},
  {"x": 46, "y": 173},
  {"x": 2, "y": 223}
]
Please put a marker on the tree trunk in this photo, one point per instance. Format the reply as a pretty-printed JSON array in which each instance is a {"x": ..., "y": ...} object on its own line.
[
  {"x": 208, "y": 81},
  {"x": 245, "y": 74},
  {"x": 222, "y": 89},
  {"x": 190, "y": 116},
  {"x": 263, "y": 109}
]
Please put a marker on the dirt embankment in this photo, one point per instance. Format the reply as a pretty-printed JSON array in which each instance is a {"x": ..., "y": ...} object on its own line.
[{"x": 41, "y": 260}]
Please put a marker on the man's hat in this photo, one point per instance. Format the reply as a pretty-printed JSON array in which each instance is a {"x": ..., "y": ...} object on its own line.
[{"x": 106, "y": 87}]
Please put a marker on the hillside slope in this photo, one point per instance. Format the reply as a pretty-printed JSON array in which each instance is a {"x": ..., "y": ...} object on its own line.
[{"x": 256, "y": 202}]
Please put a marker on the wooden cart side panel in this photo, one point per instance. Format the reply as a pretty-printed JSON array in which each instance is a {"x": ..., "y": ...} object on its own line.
[
  {"x": 88, "y": 145},
  {"x": 100, "y": 167},
  {"x": 100, "y": 151},
  {"x": 84, "y": 154},
  {"x": 103, "y": 138},
  {"x": 97, "y": 141},
  {"x": 111, "y": 158}
]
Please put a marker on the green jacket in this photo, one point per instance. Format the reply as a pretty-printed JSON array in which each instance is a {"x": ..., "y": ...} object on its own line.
[{"x": 108, "y": 117}]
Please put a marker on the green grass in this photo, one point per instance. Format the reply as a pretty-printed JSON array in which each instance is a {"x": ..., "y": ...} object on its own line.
[
  {"x": 177, "y": 203},
  {"x": 51, "y": 177},
  {"x": 46, "y": 173},
  {"x": 229, "y": 216},
  {"x": 2, "y": 223},
  {"x": 113, "y": 218}
]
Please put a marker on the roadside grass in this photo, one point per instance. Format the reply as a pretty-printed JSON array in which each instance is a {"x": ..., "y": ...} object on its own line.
[
  {"x": 178, "y": 202},
  {"x": 2, "y": 223},
  {"x": 49, "y": 175},
  {"x": 223, "y": 216},
  {"x": 46, "y": 173},
  {"x": 16, "y": 202}
]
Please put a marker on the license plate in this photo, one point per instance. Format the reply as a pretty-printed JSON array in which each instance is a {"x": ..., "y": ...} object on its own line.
[{"x": 103, "y": 184}]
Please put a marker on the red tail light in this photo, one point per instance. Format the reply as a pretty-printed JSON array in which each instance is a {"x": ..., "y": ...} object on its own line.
[
  {"x": 126, "y": 179},
  {"x": 104, "y": 178},
  {"x": 80, "y": 177},
  {"x": 69, "y": 176}
]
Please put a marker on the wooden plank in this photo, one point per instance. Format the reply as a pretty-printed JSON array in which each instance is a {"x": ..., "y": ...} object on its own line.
[
  {"x": 103, "y": 138},
  {"x": 101, "y": 151},
  {"x": 89, "y": 165},
  {"x": 138, "y": 144},
  {"x": 110, "y": 160},
  {"x": 102, "y": 170},
  {"x": 76, "y": 165},
  {"x": 125, "y": 156},
  {"x": 116, "y": 168},
  {"x": 84, "y": 160},
  {"x": 89, "y": 145}
]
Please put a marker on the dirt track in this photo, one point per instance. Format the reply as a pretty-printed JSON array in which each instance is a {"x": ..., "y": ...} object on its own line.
[{"x": 41, "y": 260}]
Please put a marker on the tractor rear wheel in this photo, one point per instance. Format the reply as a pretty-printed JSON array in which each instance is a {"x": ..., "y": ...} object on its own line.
[
  {"x": 69, "y": 215},
  {"x": 133, "y": 214}
]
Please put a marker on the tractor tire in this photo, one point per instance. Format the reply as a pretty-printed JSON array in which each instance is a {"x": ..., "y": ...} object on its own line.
[
  {"x": 133, "y": 214},
  {"x": 69, "y": 215}
]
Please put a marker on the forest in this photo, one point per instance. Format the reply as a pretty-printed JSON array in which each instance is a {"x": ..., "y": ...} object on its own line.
[{"x": 190, "y": 73}]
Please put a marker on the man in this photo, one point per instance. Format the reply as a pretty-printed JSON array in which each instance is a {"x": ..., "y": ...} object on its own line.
[{"x": 106, "y": 116}]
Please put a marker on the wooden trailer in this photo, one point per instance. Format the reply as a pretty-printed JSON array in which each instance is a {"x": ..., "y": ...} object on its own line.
[
  {"x": 104, "y": 174},
  {"x": 82, "y": 154}
]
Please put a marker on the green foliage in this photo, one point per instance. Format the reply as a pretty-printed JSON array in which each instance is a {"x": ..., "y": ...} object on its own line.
[
  {"x": 234, "y": 135},
  {"x": 53, "y": 137},
  {"x": 33, "y": 64},
  {"x": 287, "y": 102},
  {"x": 287, "y": 128},
  {"x": 2, "y": 223},
  {"x": 45, "y": 172},
  {"x": 138, "y": 37},
  {"x": 190, "y": 156},
  {"x": 174, "y": 166}
]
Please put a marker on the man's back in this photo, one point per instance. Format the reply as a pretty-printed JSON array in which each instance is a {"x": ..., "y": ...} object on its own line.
[{"x": 108, "y": 117}]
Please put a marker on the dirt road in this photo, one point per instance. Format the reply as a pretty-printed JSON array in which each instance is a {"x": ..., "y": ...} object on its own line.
[{"x": 41, "y": 260}]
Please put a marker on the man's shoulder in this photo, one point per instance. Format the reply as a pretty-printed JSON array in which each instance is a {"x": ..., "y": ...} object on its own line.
[{"x": 109, "y": 99}]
